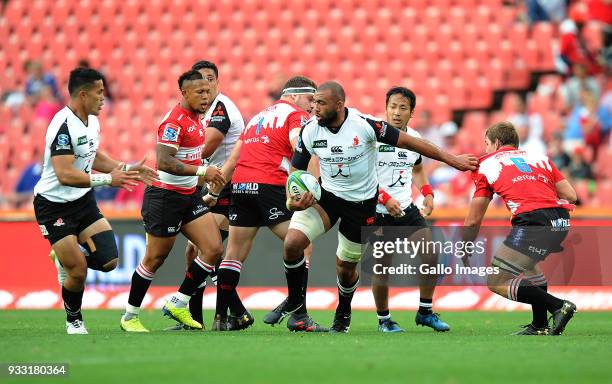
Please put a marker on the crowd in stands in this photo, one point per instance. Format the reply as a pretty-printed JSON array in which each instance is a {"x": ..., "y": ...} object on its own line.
[{"x": 567, "y": 116}]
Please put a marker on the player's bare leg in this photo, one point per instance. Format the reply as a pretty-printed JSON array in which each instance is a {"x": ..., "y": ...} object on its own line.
[
  {"x": 203, "y": 233},
  {"x": 74, "y": 263},
  {"x": 510, "y": 284}
]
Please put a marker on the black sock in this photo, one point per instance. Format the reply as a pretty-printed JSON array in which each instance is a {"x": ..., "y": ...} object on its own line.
[
  {"x": 539, "y": 311},
  {"x": 345, "y": 296},
  {"x": 196, "y": 274},
  {"x": 425, "y": 306},
  {"x": 141, "y": 280},
  {"x": 304, "y": 289},
  {"x": 195, "y": 304},
  {"x": 235, "y": 304},
  {"x": 227, "y": 280},
  {"x": 72, "y": 304},
  {"x": 523, "y": 291},
  {"x": 294, "y": 272}
]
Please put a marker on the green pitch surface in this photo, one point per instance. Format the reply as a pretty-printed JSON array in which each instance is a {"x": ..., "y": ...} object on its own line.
[{"x": 477, "y": 349}]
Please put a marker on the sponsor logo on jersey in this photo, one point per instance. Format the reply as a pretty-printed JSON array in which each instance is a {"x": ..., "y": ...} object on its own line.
[
  {"x": 343, "y": 170},
  {"x": 82, "y": 140},
  {"x": 402, "y": 155},
  {"x": 170, "y": 133},
  {"x": 43, "y": 230},
  {"x": 218, "y": 111},
  {"x": 399, "y": 176},
  {"x": 63, "y": 139},
  {"x": 275, "y": 213},
  {"x": 246, "y": 188},
  {"x": 560, "y": 223},
  {"x": 319, "y": 144},
  {"x": 199, "y": 209},
  {"x": 59, "y": 222},
  {"x": 355, "y": 141},
  {"x": 523, "y": 178},
  {"x": 336, "y": 149},
  {"x": 386, "y": 148}
]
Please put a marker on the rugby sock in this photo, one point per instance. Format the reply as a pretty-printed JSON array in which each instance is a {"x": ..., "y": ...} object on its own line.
[
  {"x": 539, "y": 311},
  {"x": 425, "y": 306},
  {"x": 305, "y": 287},
  {"x": 141, "y": 280},
  {"x": 345, "y": 295},
  {"x": 383, "y": 315},
  {"x": 195, "y": 303},
  {"x": 227, "y": 280},
  {"x": 522, "y": 291},
  {"x": 294, "y": 272},
  {"x": 215, "y": 272},
  {"x": 72, "y": 304},
  {"x": 196, "y": 274}
]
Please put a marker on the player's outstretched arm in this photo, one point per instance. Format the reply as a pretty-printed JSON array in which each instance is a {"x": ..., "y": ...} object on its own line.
[
  {"x": 67, "y": 174},
  {"x": 214, "y": 137},
  {"x": 104, "y": 163},
  {"x": 168, "y": 163},
  {"x": 565, "y": 191},
  {"x": 428, "y": 149}
]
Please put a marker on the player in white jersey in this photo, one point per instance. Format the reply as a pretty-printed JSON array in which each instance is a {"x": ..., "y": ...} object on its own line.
[
  {"x": 64, "y": 204},
  {"x": 397, "y": 169},
  {"x": 223, "y": 125},
  {"x": 345, "y": 142}
]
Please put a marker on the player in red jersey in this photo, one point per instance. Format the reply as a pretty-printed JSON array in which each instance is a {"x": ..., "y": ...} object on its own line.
[
  {"x": 538, "y": 196},
  {"x": 173, "y": 205},
  {"x": 263, "y": 156}
]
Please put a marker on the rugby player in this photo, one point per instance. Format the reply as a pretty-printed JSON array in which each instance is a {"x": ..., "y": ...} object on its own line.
[
  {"x": 396, "y": 170},
  {"x": 258, "y": 196},
  {"x": 173, "y": 205},
  {"x": 539, "y": 198},
  {"x": 64, "y": 203},
  {"x": 223, "y": 125},
  {"x": 345, "y": 142}
]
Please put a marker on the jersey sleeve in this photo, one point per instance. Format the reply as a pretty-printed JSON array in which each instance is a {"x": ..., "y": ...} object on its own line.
[
  {"x": 384, "y": 132},
  {"x": 220, "y": 119},
  {"x": 419, "y": 160},
  {"x": 62, "y": 142},
  {"x": 557, "y": 175},
  {"x": 302, "y": 153},
  {"x": 483, "y": 189},
  {"x": 169, "y": 133}
]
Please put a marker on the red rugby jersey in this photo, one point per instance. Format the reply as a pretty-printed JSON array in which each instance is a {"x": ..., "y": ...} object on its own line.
[
  {"x": 524, "y": 181},
  {"x": 265, "y": 155},
  {"x": 183, "y": 130}
]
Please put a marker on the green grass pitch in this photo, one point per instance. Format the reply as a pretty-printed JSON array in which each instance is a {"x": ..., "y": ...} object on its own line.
[{"x": 477, "y": 350}]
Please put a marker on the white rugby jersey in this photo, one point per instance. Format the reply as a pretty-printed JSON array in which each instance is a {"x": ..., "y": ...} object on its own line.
[
  {"x": 347, "y": 156},
  {"x": 67, "y": 135},
  {"x": 394, "y": 169},
  {"x": 224, "y": 116}
]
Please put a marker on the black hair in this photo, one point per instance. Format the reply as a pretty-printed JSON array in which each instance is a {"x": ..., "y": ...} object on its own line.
[
  {"x": 82, "y": 77},
  {"x": 407, "y": 93},
  {"x": 203, "y": 64},
  {"x": 189, "y": 75},
  {"x": 335, "y": 88}
]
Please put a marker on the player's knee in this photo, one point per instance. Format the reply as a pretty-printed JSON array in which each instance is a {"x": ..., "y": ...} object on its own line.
[
  {"x": 102, "y": 251},
  {"x": 294, "y": 248},
  {"x": 78, "y": 273}
]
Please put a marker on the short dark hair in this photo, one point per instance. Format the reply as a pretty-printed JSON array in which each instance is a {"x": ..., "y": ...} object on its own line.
[
  {"x": 407, "y": 93},
  {"x": 504, "y": 132},
  {"x": 299, "y": 82},
  {"x": 82, "y": 77},
  {"x": 203, "y": 64},
  {"x": 335, "y": 88},
  {"x": 189, "y": 75}
]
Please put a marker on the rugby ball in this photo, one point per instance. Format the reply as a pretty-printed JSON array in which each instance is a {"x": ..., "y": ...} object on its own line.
[{"x": 299, "y": 182}]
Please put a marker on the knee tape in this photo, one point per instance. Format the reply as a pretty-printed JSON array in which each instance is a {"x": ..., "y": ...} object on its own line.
[
  {"x": 102, "y": 249},
  {"x": 308, "y": 222},
  {"x": 348, "y": 250}
]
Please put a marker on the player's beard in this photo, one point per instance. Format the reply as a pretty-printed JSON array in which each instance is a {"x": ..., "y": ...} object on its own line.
[{"x": 328, "y": 118}]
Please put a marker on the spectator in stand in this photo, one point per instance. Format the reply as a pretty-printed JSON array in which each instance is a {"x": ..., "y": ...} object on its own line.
[
  {"x": 37, "y": 79},
  {"x": 588, "y": 124},
  {"x": 578, "y": 168},
  {"x": 557, "y": 154},
  {"x": 529, "y": 126},
  {"x": 581, "y": 81},
  {"x": 428, "y": 129},
  {"x": 573, "y": 47},
  {"x": 546, "y": 10},
  {"x": 24, "y": 190},
  {"x": 47, "y": 106}
]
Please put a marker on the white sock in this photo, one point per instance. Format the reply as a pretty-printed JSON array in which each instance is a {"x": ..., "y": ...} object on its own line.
[
  {"x": 382, "y": 318},
  {"x": 131, "y": 311},
  {"x": 180, "y": 300}
]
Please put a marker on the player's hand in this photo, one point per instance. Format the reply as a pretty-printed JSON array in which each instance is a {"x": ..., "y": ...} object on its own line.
[
  {"x": 214, "y": 175},
  {"x": 465, "y": 162},
  {"x": 209, "y": 200},
  {"x": 394, "y": 208},
  {"x": 147, "y": 175},
  {"x": 300, "y": 203},
  {"x": 124, "y": 179},
  {"x": 428, "y": 206}
]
